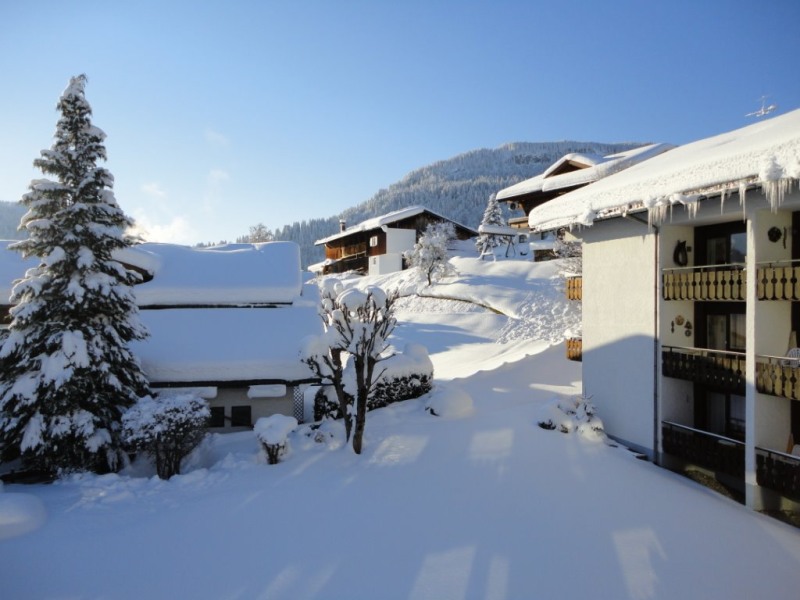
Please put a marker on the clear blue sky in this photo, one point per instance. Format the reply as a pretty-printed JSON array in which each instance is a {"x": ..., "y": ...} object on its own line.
[{"x": 222, "y": 114}]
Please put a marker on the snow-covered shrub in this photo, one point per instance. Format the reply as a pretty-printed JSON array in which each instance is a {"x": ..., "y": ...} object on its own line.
[
  {"x": 273, "y": 432},
  {"x": 405, "y": 376},
  {"x": 167, "y": 428},
  {"x": 576, "y": 414}
]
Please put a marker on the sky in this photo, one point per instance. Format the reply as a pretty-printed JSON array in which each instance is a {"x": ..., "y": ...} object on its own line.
[{"x": 224, "y": 114}]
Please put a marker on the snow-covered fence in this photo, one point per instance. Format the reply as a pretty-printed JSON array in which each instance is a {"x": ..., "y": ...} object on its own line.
[{"x": 272, "y": 432}]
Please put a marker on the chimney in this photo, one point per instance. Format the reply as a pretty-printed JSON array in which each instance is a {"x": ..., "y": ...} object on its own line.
[{"x": 342, "y": 224}]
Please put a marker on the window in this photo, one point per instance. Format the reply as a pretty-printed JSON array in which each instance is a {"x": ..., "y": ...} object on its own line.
[
  {"x": 217, "y": 418},
  {"x": 241, "y": 416},
  {"x": 724, "y": 415},
  {"x": 721, "y": 244},
  {"x": 373, "y": 241}
]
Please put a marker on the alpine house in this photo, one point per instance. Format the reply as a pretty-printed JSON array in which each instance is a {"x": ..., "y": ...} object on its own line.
[{"x": 691, "y": 305}]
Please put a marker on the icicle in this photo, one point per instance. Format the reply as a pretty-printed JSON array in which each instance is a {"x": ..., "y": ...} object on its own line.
[
  {"x": 722, "y": 198},
  {"x": 774, "y": 182},
  {"x": 743, "y": 198}
]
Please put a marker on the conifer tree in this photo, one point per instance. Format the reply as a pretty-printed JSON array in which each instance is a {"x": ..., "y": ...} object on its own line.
[
  {"x": 493, "y": 215},
  {"x": 66, "y": 373}
]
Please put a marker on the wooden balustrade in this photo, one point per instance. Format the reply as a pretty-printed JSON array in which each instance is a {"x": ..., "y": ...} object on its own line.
[
  {"x": 704, "y": 448},
  {"x": 575, "y": 349},
  {"x": 778, "y": 281},
  {"x": 778, "y": 376},
  {"x": 724, "y": 371},
  {"x": 575, "y": 288},
  {"x": 726, "y": 282}
]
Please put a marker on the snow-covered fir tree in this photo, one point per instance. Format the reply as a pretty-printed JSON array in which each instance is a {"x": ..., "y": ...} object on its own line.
[
  {"x": 430, "y": 252},
  {"x": 493, "y": 215},
  {"x": 66, "y": 373}
]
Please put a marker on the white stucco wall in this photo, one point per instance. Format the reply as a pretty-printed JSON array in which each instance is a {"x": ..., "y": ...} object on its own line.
[
  {"x": 400, "y": 240},
  {"x": 619, "y": 297},
  {"x": 385, "y": 263}
]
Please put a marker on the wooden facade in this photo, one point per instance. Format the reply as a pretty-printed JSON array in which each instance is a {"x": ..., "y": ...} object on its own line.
[{"x": 352, "y": 251}]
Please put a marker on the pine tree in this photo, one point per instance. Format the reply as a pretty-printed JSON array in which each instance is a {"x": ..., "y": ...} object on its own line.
[
  {"x": 66, "y": 373},
  {"x": 493, "y": 215}
]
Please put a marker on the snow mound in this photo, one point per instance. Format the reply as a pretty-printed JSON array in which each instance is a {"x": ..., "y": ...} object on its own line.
[
  {"x": 545, "y": 315},
  {"x": 450, "y": 402},
  {"x": 19, "y": 514}
]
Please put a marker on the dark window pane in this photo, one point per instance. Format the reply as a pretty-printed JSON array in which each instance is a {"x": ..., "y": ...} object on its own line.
[
  {"x": 241, "y": 416},
  {"x": 217, "y": 418}
]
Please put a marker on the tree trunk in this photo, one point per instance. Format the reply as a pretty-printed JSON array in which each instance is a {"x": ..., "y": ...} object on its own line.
[{"x": 361, "y": 404}]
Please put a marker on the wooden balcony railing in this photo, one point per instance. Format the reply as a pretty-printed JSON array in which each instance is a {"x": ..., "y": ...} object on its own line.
[
  {"x": 575, "y": 349},
  {"x": 724, "y": 371},
  {"x": 575, "y": 288},
  {"x": 717, "y": 283},
  {"x": 705, "y": 449},
  {"x": 779, "y": 281},
  {"x": 778, "y": 471},
  {"x": 778, "y": 376}
]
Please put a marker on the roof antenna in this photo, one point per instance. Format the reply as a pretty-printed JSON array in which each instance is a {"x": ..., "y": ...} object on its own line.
[{"x": 764, "y": 110}]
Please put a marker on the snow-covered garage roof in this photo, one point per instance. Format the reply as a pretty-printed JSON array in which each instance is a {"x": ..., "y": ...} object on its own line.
[
  {"x": 765, "y": 153},
  {"x": 233, "y": 274},
  {"x": 214, "y": 345}
]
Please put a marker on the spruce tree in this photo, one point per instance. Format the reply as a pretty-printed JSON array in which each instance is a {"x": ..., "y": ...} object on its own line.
[
  {"x": 66, "y": 373},
  {"x": 493, "y": 215}
]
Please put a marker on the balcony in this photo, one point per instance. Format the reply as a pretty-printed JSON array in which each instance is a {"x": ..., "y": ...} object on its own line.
[
  {"x": 715, "y": 452},
  {"x": 779, "y": 281},
  {"x": 778, "y": 471},
  {"x": 575, "y": 288},
  {"x": 575, "y": 349},
  {"x": 716, "y": 283},
  {"x": 778, "y": 376},
  {"x": 720, "y": 370}
]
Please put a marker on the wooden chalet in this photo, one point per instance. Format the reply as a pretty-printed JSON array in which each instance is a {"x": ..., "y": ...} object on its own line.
[{"x": 376, "y": 245}]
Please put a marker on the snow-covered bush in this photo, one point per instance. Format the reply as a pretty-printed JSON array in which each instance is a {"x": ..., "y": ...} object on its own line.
[
  {"x": 167, "y": 428},
  {"x": 404, "y": 376},
  {"x": 272, "y": 432},
  {"x": 576, "y": 414}
]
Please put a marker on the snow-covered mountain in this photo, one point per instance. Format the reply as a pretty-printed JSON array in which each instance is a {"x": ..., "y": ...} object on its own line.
[{"x": 457, "y": 188}]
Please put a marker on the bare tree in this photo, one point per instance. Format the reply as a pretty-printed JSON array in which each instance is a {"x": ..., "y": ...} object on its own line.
[
  {"x": 357, "y": 327},
  {"x": 430, "y": 252}
]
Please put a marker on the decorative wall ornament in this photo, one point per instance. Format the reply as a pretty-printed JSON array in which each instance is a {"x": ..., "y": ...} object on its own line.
[
  {"x": 774, "y": 234},
  {"x": 681, "y": 254}
]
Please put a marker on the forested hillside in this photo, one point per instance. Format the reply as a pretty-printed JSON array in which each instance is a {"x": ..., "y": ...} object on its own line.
[{"x": 457, "y": 188}]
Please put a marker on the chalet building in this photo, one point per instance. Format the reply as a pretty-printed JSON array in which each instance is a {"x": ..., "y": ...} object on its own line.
[
  {"x": 227, "y": 322},
  {"x": 376, "y": 246},
  {"x": 569, "y": 173},
  {"x": 691, "y": 306}
]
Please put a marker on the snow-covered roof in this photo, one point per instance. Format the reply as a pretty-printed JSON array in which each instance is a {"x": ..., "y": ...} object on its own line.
[
  {"x": 500, "y": 230},
  {"x": 387, "y": 219},
  {"x": 209, "y": 345},
  {"x": 597, "y": 168},
  {"x": 228, "y": 275},
  {"x": 765, "y": 153}
]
